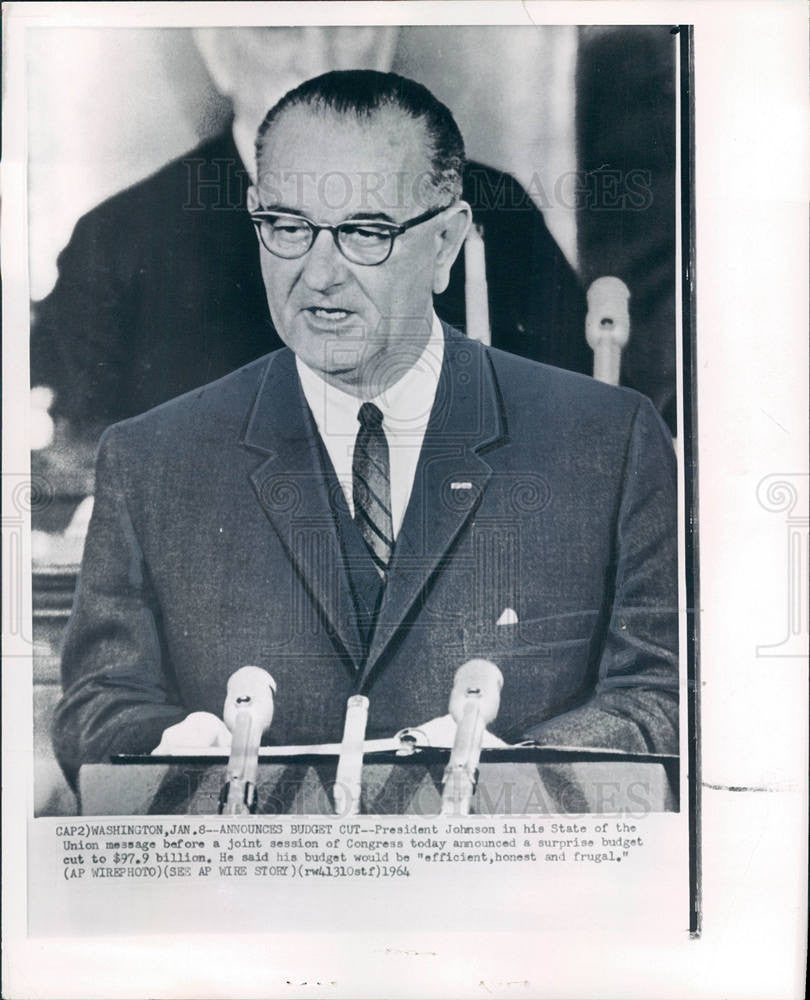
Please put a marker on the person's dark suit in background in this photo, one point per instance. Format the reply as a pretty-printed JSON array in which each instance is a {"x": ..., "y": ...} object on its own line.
[
  {"x": 626, "y": 226},
  {"x": 159, "y": 289}
]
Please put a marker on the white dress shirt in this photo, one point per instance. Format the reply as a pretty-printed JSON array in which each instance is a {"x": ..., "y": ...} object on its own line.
[{"x": 405, "y": 407}]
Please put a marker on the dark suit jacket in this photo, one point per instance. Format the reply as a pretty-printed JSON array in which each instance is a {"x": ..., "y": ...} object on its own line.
[
  {"x": 627, "y": 152},
  {"x": 160, "y": 291},
  {"x": 213, "y": 545}
]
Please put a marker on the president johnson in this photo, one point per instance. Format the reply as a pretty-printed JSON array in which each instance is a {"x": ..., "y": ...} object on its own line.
[{"x": 381, "y": 500}]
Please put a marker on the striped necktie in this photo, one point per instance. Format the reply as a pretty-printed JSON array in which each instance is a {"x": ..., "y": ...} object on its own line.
[{"x": 371, "y": 486}]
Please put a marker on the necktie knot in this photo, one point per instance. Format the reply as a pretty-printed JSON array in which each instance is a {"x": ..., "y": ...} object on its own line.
[{"x": 370, "y": 417}]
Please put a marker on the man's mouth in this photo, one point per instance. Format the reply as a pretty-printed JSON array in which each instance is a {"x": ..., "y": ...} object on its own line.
[{"x": 323, "y": 312}]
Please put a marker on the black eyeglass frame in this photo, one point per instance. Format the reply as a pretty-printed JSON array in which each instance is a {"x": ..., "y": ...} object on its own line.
[{"x": 396, "y": 229}]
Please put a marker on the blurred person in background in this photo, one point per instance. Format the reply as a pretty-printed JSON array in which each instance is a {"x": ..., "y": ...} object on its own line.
[{"x": 159, "y": 289}]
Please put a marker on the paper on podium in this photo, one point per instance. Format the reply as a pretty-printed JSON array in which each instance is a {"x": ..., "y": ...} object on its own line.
[{"x": 438, "y": 733}]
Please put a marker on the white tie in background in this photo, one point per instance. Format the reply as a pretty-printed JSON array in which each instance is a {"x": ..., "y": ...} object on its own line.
[
  {"x": 476, "y": 293},
  {"x": 474, "y": 703},
  {"x": 248, "y": 712}
]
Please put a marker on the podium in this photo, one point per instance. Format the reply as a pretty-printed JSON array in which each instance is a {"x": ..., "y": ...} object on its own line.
[{"x": 512, "y": 781}]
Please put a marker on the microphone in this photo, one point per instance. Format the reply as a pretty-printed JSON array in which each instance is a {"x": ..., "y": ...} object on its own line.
[
  {"x": 607, "y": 327},
  {"x": 474, "y": 703},
  {"x": 248, "y": 713},
  {"x": 348, "y": 779}
]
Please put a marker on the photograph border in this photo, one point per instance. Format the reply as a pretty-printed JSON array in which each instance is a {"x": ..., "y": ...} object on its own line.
[{"x": 718, "y": 949}]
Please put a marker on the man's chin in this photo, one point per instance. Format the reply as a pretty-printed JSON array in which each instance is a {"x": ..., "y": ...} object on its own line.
[
  {"x": 343, "y": 372},
  {"x": 340, "y": 350}
]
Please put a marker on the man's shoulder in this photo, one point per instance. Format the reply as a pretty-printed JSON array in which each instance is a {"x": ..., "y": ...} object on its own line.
[
  {"x": 175, "y": 187},
  {"x": 565, "y": 421},
  {"x": 490, "y": 190},
  {"x": 544, "y": 405},
  {"x": 518, "y": 373},
  {"x": 539, "y": 401},
  {"x": 201, "y": 417},
  {"x": 542, "y": 385}
]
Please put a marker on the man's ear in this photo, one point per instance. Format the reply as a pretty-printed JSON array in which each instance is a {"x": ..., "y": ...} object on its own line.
[
  {"x": 253, "y": 200},
  {"x": 455, "y": 223}
]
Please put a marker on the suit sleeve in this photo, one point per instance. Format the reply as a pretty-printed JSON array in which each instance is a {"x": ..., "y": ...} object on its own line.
[
  {"x": 634, "y": 706},
  {"x": 119, "y": 695}
]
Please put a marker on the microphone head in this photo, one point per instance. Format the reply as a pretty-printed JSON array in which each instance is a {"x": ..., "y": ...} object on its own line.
[
  {"x": 250, "y": 688},
  {"x": 478, "y": 680}
]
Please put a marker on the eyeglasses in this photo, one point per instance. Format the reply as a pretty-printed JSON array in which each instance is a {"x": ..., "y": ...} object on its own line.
[{"x": 367, "y": 243}]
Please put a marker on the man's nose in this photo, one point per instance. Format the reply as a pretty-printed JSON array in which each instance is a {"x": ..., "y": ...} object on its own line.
[{"x": 324, "y": 265}]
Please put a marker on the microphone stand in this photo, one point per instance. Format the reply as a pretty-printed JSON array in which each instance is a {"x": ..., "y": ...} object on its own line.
[
  {"x": 248, "y": 713},
  {"x": 474, "y": 703}
]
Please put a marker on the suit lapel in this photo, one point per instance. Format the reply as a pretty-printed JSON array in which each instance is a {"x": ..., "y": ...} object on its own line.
[
  {"x": 291, "y": 487},
  {"x": 450, "y": 480}
]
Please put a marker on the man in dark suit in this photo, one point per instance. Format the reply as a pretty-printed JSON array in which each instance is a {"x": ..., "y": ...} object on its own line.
[
  {"x": 381, "y": 500},
  {"x": 159, "y": 288}
]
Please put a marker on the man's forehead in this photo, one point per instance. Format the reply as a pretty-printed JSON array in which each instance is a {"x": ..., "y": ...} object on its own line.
[{"x": 326, "y": 160}]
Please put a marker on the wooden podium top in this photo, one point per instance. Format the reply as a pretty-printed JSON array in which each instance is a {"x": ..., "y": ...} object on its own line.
[{"x": 511, "y": 782}]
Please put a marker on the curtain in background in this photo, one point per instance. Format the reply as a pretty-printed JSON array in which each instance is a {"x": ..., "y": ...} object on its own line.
[{"x": 626, "y": 221}]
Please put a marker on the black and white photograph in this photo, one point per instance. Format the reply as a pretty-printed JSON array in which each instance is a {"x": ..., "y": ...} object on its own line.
[
  {"x": 359, "y": 553},
  {"x": 349, "y": 480}
]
